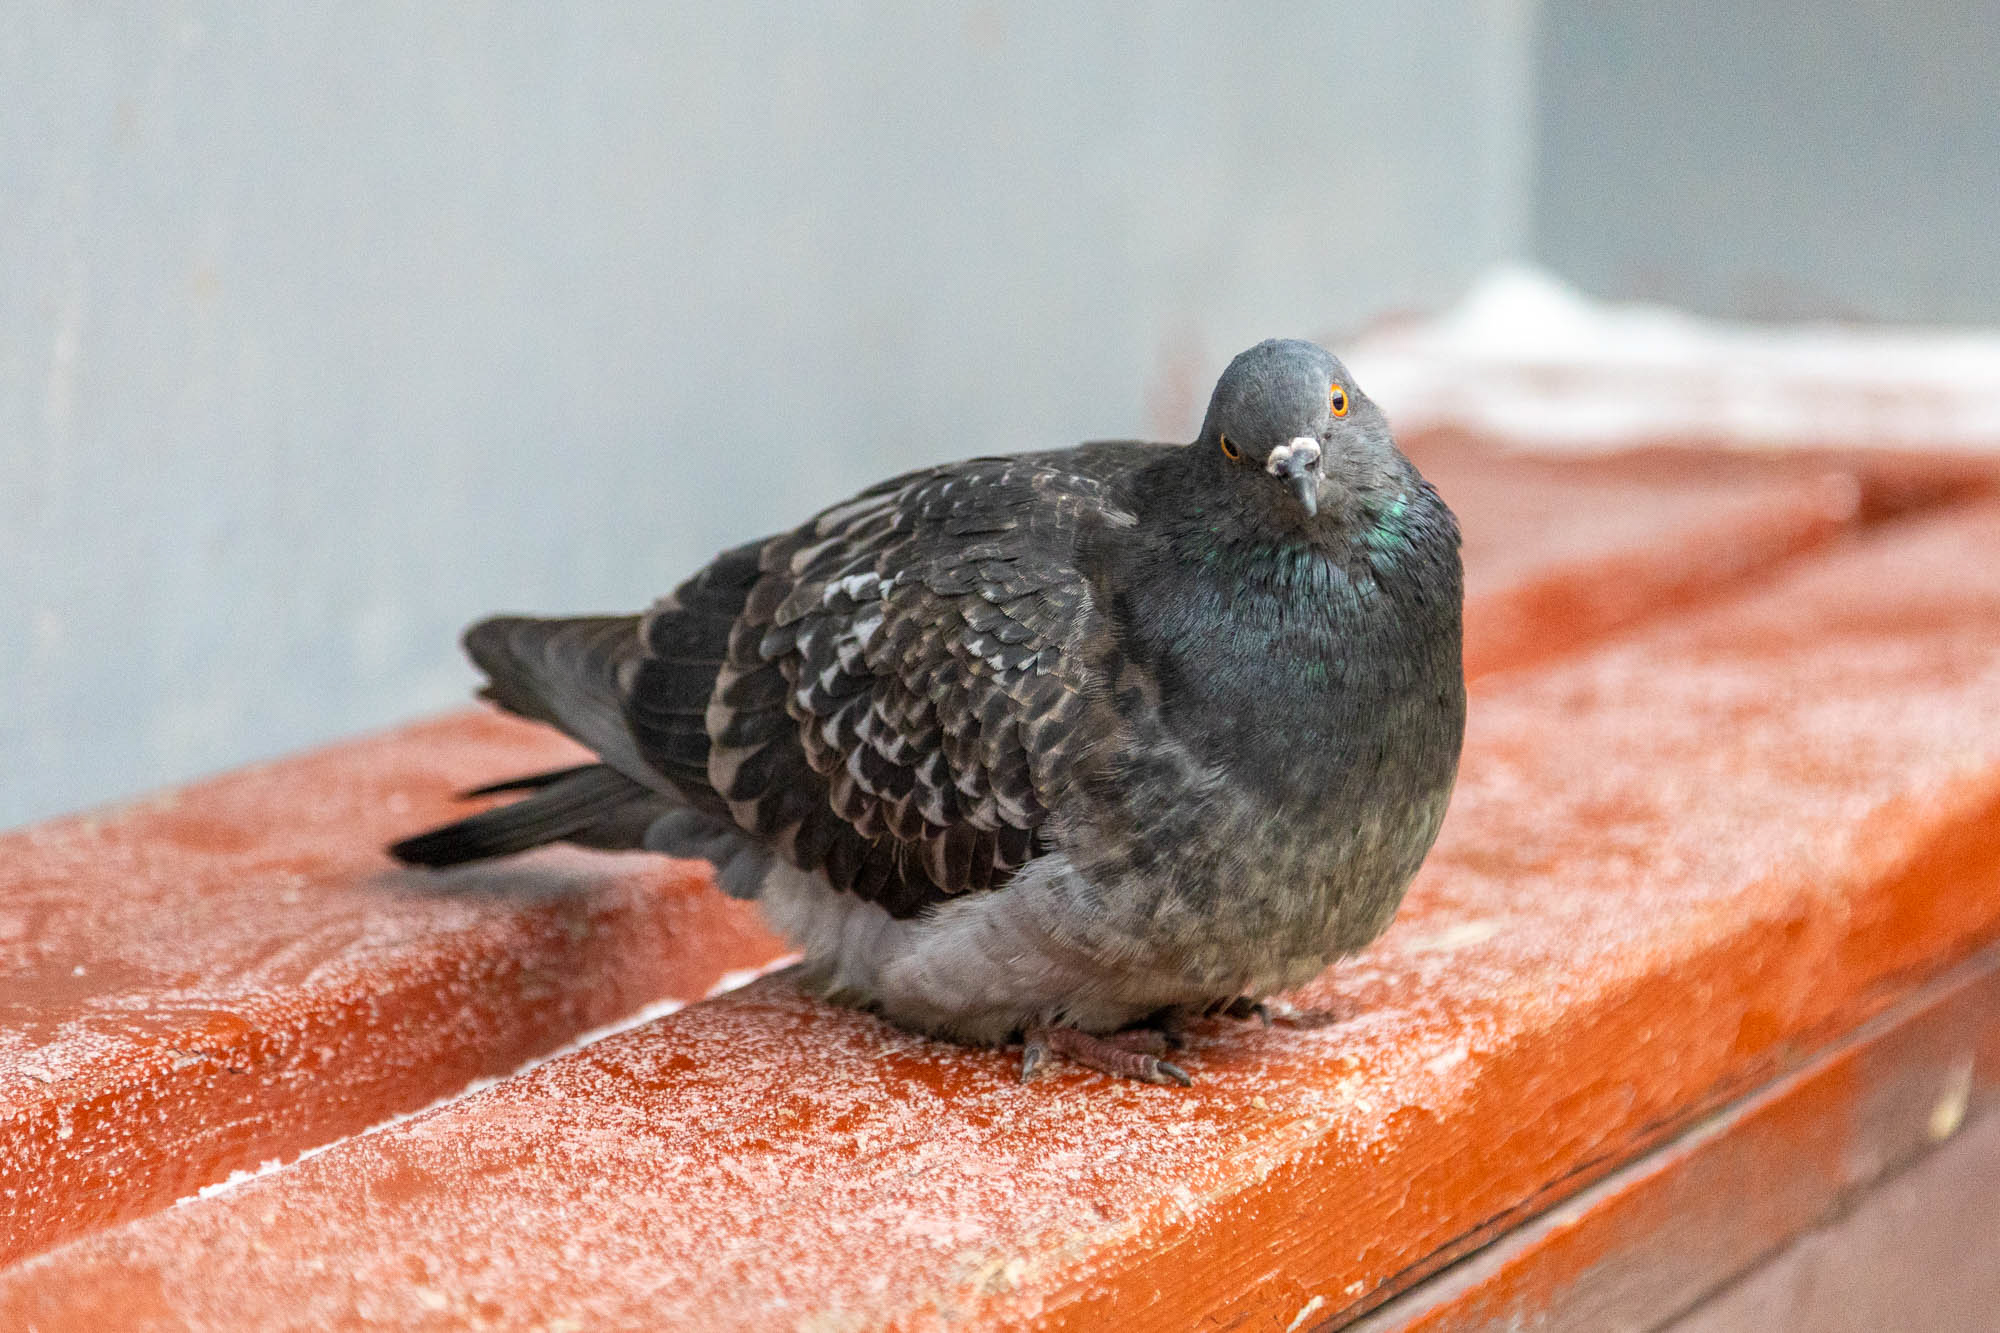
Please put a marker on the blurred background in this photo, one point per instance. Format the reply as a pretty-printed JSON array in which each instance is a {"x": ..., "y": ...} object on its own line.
[{"x": 324, "y": 330}]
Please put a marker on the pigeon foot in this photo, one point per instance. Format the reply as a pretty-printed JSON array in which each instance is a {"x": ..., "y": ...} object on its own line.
[{"x": 1104, "y": 1054}]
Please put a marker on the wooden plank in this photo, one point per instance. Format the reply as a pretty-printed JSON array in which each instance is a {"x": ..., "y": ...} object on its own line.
[
  {"x": 1677, "y": 866},
  {"x": 1551, "y": 564},
  {"x": 1920, "y": 1252},
  {"x": 1660, "y": 1234},
  {"x": 232, "y": 973}
]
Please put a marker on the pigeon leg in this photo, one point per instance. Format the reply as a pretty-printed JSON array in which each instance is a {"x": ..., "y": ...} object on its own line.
[
  {"x": 1099, "y": 1053},
  {"x": 1146, "y": 1040}
]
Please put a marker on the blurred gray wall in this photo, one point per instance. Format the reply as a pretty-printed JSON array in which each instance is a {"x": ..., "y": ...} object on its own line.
[
  {"x": 1776, "y": 159},
  {"x": 326, "y": 329}
]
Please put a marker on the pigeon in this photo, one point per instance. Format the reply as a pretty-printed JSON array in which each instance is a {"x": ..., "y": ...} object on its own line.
[{"x": 1065, "y": 748}]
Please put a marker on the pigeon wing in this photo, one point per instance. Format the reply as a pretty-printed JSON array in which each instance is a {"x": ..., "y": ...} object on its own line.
[{"x": 902, "y": 692}]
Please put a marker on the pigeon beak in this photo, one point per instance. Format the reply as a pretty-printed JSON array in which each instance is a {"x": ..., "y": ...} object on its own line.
[{"x": 1297, "y": 465}]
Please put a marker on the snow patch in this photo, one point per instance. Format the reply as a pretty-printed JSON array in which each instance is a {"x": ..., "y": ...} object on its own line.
[{"x": 1527, "y": 359}]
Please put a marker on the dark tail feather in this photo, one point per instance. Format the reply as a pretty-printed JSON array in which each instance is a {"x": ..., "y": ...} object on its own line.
[
  {"x": 566, "y": 673},
  {"x": 593, "y": 805},
  {"x": 532, "y": 782}
]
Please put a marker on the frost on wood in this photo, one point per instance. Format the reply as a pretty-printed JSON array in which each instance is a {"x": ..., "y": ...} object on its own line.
[{"x": 1668, "y": 857}]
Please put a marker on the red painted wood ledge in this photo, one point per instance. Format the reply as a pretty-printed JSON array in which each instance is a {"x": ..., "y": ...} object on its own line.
[{"x": 1731, "y": 795}]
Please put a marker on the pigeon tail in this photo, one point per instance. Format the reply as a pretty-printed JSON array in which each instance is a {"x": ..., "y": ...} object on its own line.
[
  {"x": 594, "y": 806},
  {"x": 564, "y": 672}
]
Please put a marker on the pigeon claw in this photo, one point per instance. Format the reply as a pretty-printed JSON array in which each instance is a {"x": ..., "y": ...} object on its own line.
[{"x": 1103, "y": 1054}]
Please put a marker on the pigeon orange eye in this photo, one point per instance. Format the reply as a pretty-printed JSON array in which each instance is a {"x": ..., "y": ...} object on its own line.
[
  {"x": 1336, "y": 401},
  {"x": 1229, "y": 451}
]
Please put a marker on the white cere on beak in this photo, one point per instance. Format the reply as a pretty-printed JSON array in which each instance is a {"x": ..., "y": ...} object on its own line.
[
  {"x": 1296, "y": 463},
  {"x": 1287, "y": 459}
]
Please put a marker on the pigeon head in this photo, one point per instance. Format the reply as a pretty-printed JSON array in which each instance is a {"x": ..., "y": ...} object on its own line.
[{"x": 1286, "y": 424}]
